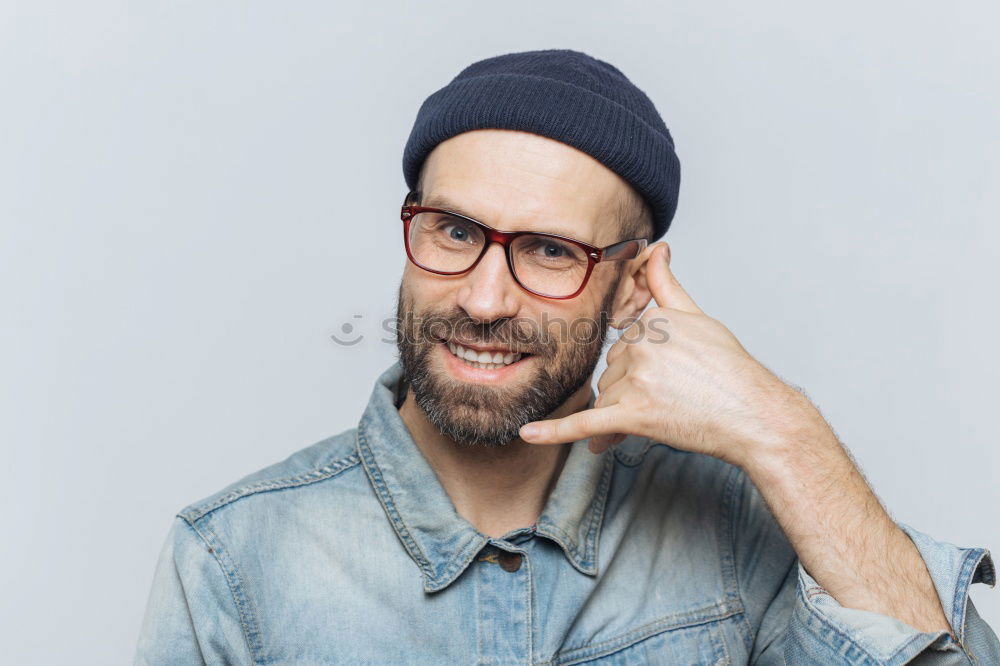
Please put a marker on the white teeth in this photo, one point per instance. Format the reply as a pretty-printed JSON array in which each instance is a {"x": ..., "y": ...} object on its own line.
[{"x": 488, "y": 360}]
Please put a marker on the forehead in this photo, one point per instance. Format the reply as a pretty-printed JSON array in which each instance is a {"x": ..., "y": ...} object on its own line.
[{"x": 518, "y": 181}]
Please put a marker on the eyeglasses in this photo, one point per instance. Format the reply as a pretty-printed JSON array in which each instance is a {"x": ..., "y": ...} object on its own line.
[{"x": 547, "y": 265}]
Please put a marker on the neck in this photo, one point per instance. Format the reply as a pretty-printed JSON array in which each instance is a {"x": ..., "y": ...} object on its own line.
[{"x": 496, "y": 490}]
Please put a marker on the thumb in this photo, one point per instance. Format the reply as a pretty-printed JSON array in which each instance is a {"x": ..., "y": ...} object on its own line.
[{"x": 664, "y": 287}]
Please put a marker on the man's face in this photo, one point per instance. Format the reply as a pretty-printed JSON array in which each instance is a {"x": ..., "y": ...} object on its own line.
[{"x": 542, "y": 351}]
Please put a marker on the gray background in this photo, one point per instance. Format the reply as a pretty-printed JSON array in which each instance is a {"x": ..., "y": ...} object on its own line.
[{"x": 194, "y": 196}]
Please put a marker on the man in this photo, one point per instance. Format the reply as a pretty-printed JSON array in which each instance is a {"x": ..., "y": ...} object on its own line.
[{"x": 488, "y": 509}]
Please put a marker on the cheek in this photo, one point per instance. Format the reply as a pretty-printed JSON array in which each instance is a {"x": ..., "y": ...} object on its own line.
[
  {"x": 570, "y": 325},
  {"x": 436, "y": 291}
]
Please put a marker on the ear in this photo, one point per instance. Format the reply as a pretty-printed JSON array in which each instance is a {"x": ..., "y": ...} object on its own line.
[{"x": 634, "y": 293}]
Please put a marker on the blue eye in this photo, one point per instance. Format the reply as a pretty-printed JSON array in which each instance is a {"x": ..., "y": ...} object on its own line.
[
  {"x": 553, "y": 250},
  {"x": 457, "y": 232},
  {"x": 545, "y": 248}
]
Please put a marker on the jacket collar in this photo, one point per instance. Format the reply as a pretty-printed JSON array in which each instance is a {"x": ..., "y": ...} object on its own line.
[{"x": 440, "y": 541}]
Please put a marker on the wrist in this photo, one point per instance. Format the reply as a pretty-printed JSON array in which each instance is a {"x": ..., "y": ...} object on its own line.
[{"x": 796, "y": 439}]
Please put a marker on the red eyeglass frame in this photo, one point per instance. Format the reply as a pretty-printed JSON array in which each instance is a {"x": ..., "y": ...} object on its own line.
[{"x": 626, "y": 249}]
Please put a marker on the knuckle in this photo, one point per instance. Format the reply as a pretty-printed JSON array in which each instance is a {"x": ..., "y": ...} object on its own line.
[{"x": 641, "y": 380}]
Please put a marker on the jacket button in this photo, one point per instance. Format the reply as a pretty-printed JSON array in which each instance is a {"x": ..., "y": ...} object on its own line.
[{"x": 509, "y": 561}]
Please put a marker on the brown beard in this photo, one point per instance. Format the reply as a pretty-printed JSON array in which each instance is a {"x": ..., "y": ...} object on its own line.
[{"x": 491, "y": 416}]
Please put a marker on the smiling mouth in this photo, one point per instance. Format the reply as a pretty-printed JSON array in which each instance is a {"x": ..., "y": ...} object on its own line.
[{"x": 491, "y": 359}]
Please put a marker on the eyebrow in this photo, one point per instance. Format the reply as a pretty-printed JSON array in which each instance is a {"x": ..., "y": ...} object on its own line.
[{"x": 441, "y": 201}]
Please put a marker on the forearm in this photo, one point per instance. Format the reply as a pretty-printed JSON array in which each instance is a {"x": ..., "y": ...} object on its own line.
[{"x": 840, "y": 532}]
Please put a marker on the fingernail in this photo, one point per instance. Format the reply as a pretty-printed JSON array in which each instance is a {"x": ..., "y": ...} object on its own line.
[{"x": 530, "y": 430}]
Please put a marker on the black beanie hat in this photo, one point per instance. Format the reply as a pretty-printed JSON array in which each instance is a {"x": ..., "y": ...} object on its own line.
[{"x": 565, "y": 95}]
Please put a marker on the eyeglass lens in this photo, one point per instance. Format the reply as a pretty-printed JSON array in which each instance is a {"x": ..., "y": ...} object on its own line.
[{"x": 543, "y": 264}]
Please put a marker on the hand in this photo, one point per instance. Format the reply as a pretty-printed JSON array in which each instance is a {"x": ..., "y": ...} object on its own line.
[{"x": 680, "y": 377}]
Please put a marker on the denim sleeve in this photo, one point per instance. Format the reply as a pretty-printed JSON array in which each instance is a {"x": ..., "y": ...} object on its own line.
[
  {"x": 191, "y": 617},
  {"x": 793, "y": 620}
]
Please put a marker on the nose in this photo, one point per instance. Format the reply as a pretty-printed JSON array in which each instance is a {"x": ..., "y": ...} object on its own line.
[{"x": 488, "y": 291}]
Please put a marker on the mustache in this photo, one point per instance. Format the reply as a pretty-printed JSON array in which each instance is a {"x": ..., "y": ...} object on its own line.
[{"x": 522, "y": 335}]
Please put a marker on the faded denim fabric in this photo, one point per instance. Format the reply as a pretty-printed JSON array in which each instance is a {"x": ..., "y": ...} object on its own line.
[{"x": 351, "y": 552}]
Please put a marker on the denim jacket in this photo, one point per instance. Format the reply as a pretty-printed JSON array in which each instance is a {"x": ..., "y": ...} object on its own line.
[{"x": 351, "y": 552}]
